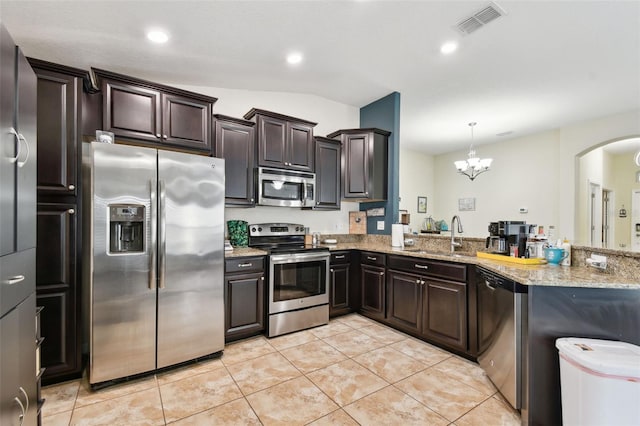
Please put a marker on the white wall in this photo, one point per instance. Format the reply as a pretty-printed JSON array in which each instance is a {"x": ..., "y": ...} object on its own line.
[
  {"x": 521, "y": 176},
  {"x": 416, "y": 174},
  {"x": 538, "y": 172},
  {"x": 328, "y": 114}
]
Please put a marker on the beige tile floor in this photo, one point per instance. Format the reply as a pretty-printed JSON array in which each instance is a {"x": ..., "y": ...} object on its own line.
[{"x": 351, "y": 371}]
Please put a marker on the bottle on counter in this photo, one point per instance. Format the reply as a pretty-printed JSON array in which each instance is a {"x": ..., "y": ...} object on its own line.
[{"x": 567, "y": 251}]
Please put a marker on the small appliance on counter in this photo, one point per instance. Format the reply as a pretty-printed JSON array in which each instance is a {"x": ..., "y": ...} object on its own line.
[{"x": 508, "y": 237}]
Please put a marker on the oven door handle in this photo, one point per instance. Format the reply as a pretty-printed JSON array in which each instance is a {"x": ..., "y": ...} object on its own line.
[{"x": 295, "y": 258}]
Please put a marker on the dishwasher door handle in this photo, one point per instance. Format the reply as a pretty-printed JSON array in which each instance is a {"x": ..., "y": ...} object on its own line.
[{"x": 489, "y": 286}]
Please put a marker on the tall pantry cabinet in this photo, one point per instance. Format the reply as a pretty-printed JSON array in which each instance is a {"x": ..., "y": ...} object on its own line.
[
  {"x": 58, "y": 259},
  {"x": 19, "y": 369}
]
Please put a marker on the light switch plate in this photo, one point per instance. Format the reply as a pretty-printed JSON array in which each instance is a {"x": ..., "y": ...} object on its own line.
[{"x": 380, "y": 225}]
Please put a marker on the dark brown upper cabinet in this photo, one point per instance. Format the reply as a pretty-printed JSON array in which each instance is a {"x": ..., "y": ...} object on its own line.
[
  {"x": 364, "y": 163},
  {"x": 139, "y": 110},
  {"x": 328, "y": 174},
  {"x": 283, "y": 142},
  {"x": 235, "y": 141},
  {"x": 59, "y": 121}
]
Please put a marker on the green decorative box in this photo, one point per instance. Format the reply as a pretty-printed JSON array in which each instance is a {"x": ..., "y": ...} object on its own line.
[{"x": 238, "y": 233}]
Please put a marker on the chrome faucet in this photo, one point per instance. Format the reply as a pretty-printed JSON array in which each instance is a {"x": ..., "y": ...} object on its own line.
[{"x": 455, "y": 244}]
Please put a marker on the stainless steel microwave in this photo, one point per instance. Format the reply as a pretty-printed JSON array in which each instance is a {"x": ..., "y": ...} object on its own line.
[{"x": 286, "y": 188}]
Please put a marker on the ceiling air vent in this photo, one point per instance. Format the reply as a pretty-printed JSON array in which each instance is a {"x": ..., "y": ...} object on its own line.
[{"x": 480, "y": 18}]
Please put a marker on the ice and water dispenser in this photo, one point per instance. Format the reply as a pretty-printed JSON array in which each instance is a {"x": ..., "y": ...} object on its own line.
[{"x": 126, "y": 228}]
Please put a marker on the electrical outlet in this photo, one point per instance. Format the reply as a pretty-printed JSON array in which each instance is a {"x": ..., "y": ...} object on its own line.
[{"x": 380, "y": 225}]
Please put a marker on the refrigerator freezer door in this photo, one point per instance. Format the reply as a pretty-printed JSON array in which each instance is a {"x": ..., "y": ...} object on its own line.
[
  {"x": 190, "y": 273},
  {"x": 123, "y": 289}
]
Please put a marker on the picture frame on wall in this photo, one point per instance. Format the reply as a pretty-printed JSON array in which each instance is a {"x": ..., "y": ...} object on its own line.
[
  {"x": 422, "y": 204},
  {"x": 466, "y": 204}
]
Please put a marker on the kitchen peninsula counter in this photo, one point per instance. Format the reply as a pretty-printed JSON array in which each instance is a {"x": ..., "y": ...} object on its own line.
[{"x": 533, "y": 275}]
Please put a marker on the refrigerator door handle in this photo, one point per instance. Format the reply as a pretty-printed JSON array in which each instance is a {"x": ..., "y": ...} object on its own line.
[
  {"x": 162, "y": 236},
  {"x": 153, "y": 253}
]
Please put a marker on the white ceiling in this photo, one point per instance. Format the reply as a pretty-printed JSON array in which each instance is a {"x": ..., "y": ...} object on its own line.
[{"x": 544, "y": 65}]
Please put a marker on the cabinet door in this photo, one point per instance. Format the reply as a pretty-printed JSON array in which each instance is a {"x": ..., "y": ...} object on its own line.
[
  {"x": 8, "y": 142},
  {"x": 130, "y": 111},
  {"x": 339, "y": 289},
  {"x": 328, "y": 175},
  {"x": 236, "y": 144},
  {"x": 373, "y": 291},
  {"x": 56, "y": 289},
  {"x": 186, "y": 122},
  {"x": 356, "y": 167},
  {"x": 445, "y": 312},
  {"x": 272, "y": 134},
  {"x": 27, "y": 170},
  {"x": 300, "y": 144},
  {"x": 58, "y": 121},
  {"x": 244, "y": 305},
  {"x": 404, "y": 306},
  {"x": 18, "y": 393}
]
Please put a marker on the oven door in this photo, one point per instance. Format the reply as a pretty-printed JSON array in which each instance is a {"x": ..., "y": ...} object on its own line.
[{"x": 298, "y": 280}]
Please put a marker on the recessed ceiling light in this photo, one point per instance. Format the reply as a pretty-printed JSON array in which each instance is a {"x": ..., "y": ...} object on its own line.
[
  {"x": 157, "y": 36},
  {"x": 448, "y": 47},
  {"x": 294, "y": 58}
]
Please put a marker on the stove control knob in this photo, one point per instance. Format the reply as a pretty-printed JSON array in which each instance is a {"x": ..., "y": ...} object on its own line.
[
  {"x": 253, "y": 229},
  {"x": 260, "y": 229}
]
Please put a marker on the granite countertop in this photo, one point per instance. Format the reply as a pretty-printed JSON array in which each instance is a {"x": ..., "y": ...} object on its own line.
[
  {"x": 536, "y": 275},
  {"x": 244, "y": 252}
]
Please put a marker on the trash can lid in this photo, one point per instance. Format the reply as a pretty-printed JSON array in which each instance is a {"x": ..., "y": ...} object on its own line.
[{"x": 606, "y": 357}]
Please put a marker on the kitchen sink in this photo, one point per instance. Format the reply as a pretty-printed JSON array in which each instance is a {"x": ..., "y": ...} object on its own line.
[{"x": 438, "y": 253}]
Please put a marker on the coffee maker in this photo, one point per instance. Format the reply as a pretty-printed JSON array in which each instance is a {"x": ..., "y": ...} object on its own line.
[{"x": 508, "y": 237}]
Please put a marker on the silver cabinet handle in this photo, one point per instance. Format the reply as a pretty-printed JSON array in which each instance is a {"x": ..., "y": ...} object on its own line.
[
  {"x": 158, "y": 135},
  {"x": 373, "y": 259},
  {"x": 153, "y": 253},
  {"x": 162, "y": 236},
  {"x": 26, "y": 398},
  {"x": 417, "y": 281},
  {"x": 71, "y": 187},
  {"x": 331, "y": 270},
  {"x": 164, "y": 137},
  {"x": 340, "y": 256},
  {"x": 421, "y": 266},
  {"x": 71, "y": 211},
  {"x": 21, "y": 138},
  {"x": 14, "y": 133},
  {"x": 15, "y": 280},
  {"x": 422, "y": 282},
  {"x": 381, "y": 273},
  {"x": 244, "y": 265},
  {"x": 24, "y": 412},
  {"x": 261, "y": 278}
]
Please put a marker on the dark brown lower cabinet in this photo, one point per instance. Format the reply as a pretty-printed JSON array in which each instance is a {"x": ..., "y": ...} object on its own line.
[
  {"x": 339, "y": 283},
  {"x": 372, "y": 282},
  {"x": 244, "y": 294},
  {"x": 404, "y": 308},
  {"x": 445, "y": 312},
  {"x": 56, "y": 290}
]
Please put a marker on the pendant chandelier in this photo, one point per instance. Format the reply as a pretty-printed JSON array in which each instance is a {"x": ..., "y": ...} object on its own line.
[{"x": 474, "y": 165}]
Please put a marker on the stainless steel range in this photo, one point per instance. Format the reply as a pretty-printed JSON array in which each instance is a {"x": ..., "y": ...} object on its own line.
[{"x": 298, "y": 295}]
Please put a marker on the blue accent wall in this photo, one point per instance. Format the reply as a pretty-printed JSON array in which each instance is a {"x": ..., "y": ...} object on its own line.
[{"x": 385, "y": 114}]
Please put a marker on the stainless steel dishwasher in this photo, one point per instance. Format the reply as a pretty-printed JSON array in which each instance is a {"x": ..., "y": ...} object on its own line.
[{"x": 502, "y": 333}]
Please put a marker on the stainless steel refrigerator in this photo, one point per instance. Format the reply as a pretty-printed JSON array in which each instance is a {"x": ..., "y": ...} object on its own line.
[{"x": 153, "y": 258}]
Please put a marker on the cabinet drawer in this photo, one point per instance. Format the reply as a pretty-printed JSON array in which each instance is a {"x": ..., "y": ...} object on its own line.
[
  {"x": 340, "y": 257},
  {"x": 435, "y": 268},
  {"x": 371, "y": 258},
  {"x": 244, "y": 264}
]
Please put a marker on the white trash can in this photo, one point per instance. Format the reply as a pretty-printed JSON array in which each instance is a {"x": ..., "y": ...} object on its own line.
[{"x": 600, "y": 382}]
